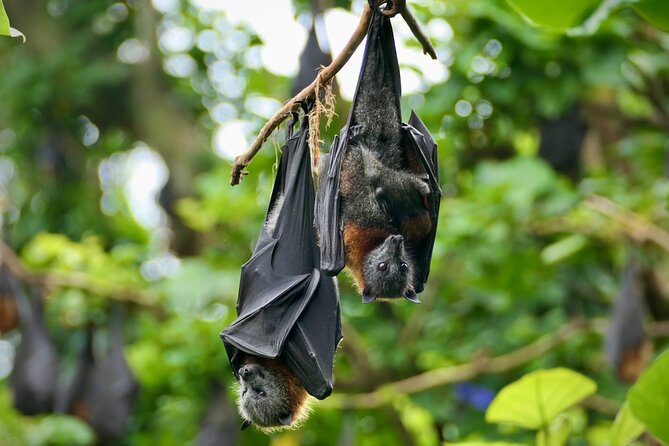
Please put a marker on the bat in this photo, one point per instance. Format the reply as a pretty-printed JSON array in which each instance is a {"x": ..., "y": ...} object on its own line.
[
  {"x": 378, "y": 197},
  {"x": 217, "y": 427},
  {"x": 288, "y": 317},
  {"x": 626, "y": 342},
  {"x": 9, "y": 310},
  {"x": 36, "y": 363},
  {"x": 103, "y": 389}
]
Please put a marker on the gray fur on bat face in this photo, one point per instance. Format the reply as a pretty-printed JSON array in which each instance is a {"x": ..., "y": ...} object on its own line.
[
  {"x": 264, "y": 397},
  {"x": 388, "y": 272}
]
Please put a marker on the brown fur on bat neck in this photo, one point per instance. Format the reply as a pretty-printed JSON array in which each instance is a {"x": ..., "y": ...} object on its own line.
[{"x": 270, "y": 395}]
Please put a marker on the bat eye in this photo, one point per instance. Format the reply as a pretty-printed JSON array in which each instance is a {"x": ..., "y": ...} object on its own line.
[
  {"x": 383, "y": 266},
  {"x": 261, "y": 392},
  {"x": 404, "y": 267}
]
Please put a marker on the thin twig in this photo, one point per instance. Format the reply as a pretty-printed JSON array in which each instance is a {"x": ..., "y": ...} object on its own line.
[
  {"x": 602, "y": 405},
  {"x": 636, "y": 226},
  {"x": 418, "y": 33},
  {"x": 323, "y": 77},
  {"x": 73, "y": 279},
  {"x": 453, "y": 374}
]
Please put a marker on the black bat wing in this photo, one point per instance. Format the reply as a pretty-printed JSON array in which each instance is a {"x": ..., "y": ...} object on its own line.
[
  {"x": 35, "y": 370},
  {"x": 328, "y": 209},
  {"x": 626, "y": 333},
  {"x": 286, "y": 308},
  {"x": 425, "y": 150},
  {"x": 114, "y": 388}
]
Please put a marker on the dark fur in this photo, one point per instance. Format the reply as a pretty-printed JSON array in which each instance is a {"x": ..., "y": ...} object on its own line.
[
  {"x": 379, "y": 197},
  {"x": 270, "y": 395}
]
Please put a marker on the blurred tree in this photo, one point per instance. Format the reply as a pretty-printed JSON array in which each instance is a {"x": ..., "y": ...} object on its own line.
[{"x": 118, "y": 123}]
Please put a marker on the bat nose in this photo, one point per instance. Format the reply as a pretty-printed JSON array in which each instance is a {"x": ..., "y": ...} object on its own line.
[
  {"x": 396, "y": 238},
  {"x": 244, "y": 372}
]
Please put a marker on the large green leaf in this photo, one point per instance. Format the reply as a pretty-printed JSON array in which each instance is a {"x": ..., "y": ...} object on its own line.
[
  {"x": 626, "y": 427},
  {"x": 557, "y": 16},
  {"x": 5, "y": 29},
  {"x": 538, "y": 397},
  {"x": 654, "y": 11},
  {"x": 4, "y": 21},
  {"x": 649, "y": 397}
]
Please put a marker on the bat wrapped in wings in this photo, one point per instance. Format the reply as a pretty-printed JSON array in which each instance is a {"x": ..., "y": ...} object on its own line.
[
  {"x": 287, "y": 309},
  {"x": 378, "y": 196}
]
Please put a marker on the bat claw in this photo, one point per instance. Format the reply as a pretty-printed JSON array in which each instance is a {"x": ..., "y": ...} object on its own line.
[
  {"x": 368, "y": 297},
  {"x": 411, "y": 296}
]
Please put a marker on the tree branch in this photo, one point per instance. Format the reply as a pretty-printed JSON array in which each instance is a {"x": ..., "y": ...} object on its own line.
[
  {"x": 453, "y": 374},
  {"x": 636, "y": 226},
  {"x": 77, "y": 280},
  {"x": 418, "y": 33},
  {"x": 385, "y": 393},
  {"x": 323, "y": 77}
]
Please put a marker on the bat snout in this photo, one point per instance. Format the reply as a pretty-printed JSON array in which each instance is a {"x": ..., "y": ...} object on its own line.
[
  {"x": 247, "y": 371},
  {"x": 397, "y": 239}
]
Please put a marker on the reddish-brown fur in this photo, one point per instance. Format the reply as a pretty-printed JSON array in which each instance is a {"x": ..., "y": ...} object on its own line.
[
  {"x": 297, "y": 392},
  {"x": 9, "y": 314},
  {"x": 415, "y": 229},
  {"x": 358, "y": 241}
]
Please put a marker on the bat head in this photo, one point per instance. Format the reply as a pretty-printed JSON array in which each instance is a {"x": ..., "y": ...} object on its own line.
[
  {"x": 269, "y": 395},
  {"x": 388, "y": 272}
]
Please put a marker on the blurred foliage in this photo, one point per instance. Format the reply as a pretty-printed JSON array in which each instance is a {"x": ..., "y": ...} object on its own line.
[{"x": 520, "y": 252}]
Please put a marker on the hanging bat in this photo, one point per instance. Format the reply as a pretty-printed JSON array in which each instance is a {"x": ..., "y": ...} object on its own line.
[
  {"x": 282, "y": 344},
  {"x": 218, "y": 425},
  {"x": 36, "y": 363},
  {"x": 378, "y": 197},
  {"x": 628, "y": 347},
  {"x": 103, "y": 390},
  {"x": 9, "y": 310}
]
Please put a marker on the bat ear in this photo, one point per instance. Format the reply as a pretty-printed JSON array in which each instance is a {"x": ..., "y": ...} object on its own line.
[
  {"x": 245, "y": 424},
  {"x": 286, "y": 419},
  {"x": 367, "y": 296},
  {"x": 411, "y": 296}
]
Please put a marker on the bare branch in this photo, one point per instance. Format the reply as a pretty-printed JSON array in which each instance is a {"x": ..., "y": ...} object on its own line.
[
  {"x": 453, "y": 374},
  {"x": 418, "y": 33},
  {"x": 385, "y": 393}
]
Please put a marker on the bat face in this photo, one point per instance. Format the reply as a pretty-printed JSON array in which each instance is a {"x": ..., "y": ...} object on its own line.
[
  {"x": 267, "y": 397},
  {"x": 388, "y": 272}
]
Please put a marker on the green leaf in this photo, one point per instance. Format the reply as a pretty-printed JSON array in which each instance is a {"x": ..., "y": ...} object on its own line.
[
  {"x": 654, "y": 11},
  {"x": 556, "y": 16},
  {"x": 625, "y": 428},
  {"x": 5, "y": 29},
  {"x": 564, "y": 248},
  {"x": 4, "y": 21},
  {"x": 538, "y": 397},
  {"x": 649, "y": 397}
]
